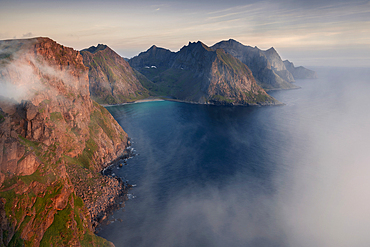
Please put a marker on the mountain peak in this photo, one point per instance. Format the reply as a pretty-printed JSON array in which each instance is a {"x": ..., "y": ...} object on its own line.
[
  {"x": 271, "y": 50},
  {"x": 153, "y": 47},
  {"x": 234, "y": 41},
  {"x": 198, "y": 44},
  {"x": 228, "y": 43},
  {"x": 94, "y": 49}
]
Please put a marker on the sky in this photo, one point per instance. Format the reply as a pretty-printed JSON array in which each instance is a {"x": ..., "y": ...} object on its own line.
[{"x": 308, "y": 33}]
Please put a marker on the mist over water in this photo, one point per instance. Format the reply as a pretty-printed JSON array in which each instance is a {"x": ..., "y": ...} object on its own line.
[{"x": 293, "y": 175}]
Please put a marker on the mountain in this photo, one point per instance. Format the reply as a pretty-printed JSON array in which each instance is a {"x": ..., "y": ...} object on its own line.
[
  {"x": 54, "y": 143},
  {"x": 300, "y": 72},
  {"x": 266, "y": 66},
  {"x": 111, "y": 78},
  {"x": 277, "y": 65},
  {"x": 199, "y": 74}
]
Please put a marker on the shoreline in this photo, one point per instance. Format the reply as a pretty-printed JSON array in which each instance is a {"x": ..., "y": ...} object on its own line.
[
  {"x": 112, "y": 192},
  {"x": 135, "y": 102},
  {"x": 192, "y": 102}
]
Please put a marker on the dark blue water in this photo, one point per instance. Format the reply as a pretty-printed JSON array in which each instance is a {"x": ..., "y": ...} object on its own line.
[{"x": 247, "y": 176}]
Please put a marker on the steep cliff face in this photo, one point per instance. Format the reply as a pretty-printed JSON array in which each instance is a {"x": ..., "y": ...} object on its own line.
[
  {"x": 265, "y": 66},
  {"x": 199, "y": 74},
  {"x": 300, "y": 72},
  {"x": 54, "y": 141},
  {"x": 111, "y": 78},
  {"x": 277, "y": 64}
]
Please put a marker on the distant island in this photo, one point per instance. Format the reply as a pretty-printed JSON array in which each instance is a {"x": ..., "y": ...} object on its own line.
[{"x": 56, "y": 138}]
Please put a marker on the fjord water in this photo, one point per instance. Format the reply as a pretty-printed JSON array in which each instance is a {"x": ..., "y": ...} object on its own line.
[{"x": 292, "y": 175}]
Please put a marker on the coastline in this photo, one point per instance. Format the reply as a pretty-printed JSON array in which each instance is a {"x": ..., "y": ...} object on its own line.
[
  {"x": 114, "y": 194},
  {"x": 278, "y": 103},
  {"x": 136, "y": 101}
]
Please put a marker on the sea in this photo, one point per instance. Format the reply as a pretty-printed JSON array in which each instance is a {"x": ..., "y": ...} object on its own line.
[{"x": 290, "y": 175}]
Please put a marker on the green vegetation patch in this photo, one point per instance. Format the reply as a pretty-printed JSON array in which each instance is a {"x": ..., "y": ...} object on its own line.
[
  {"x": 86, "y": 158},
  {"x": 221, "y": 99},
  {"x": 101, "y": 119},
  {"x": 56, "y": 116},
  {"x": 16, "y": 240},
  {"x": 230, "y": 61},
  {"x": 90, "y": 239},
  {"x": 260, "y": 97},
  {"x": 36, "y": 176},
  {"x": 59, "y": 233}
]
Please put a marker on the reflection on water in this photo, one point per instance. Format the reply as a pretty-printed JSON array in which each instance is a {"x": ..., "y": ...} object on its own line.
[{"x": 250, "y": 176}]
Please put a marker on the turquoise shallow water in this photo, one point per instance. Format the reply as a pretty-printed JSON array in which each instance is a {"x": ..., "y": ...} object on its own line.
[{"x": 245, "y": 176}]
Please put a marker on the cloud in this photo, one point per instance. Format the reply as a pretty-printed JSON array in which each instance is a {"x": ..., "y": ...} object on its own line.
[
  {"x": 27, "y": 35},
  {"x": 24, "y": 77}
]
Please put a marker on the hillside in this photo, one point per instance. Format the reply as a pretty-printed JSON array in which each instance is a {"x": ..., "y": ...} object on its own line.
[
  {"x": 300, "y": 72},
  {"x": 54, "y": 141},
  {"x": 111, "y": 78},
  {"x": 199, "y": 74},
  {"x": 277, "y": 65},
  {"x": 266, "y": 67}
]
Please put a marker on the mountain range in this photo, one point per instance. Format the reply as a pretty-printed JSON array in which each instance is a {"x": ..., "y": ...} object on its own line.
[
  {"x": 267, "y": 67},
  {"x": 200, "y": 74},
  {"x": 56, "y": 138}
]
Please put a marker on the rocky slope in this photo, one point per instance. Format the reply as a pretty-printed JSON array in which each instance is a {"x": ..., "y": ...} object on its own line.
[
  {"x": 266, "y": 66},
  {"x": 111, "y": 78},
  {"x": 300, "y": 72},
  {"x": 199, "y": 74},
  {"x": 277, "y": 65},
  {"x": 54, "y": 141}
]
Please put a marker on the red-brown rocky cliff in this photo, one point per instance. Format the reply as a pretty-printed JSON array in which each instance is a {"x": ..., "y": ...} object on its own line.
[{"x": 54, "y": 141}]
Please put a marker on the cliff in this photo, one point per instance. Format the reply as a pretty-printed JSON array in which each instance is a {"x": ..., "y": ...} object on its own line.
[
  {"x": 111, "y": 78},
  {"x": 199, "y": 74},
  {"x": 277, "y": 65},
  {"x": 300, "y": 72},
  {"x": 54, "y": 141},
  {"x": 266, "y": 66}
]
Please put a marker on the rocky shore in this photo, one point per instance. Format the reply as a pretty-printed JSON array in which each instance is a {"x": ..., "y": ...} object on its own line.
[{"x": 102, "y": 193}]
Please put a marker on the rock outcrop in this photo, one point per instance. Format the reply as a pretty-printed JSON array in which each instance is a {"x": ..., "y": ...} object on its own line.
[
  {"x": 300, "y": 72},
  {"x": 54, "y": 141},
  {"x": 199, "y": 74},
  {"x": 111, "y": 78},
  {"x": 266, "y": 66}
]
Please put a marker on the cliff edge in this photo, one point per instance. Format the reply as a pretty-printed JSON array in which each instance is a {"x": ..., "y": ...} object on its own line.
[{"x": 54, "y": 141}]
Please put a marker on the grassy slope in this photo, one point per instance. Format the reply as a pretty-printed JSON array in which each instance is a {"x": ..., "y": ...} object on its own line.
[{"x": 100, "y": 63}]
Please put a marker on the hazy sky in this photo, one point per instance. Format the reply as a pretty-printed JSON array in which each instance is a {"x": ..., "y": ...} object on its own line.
[{"x": 309, "y": 33}]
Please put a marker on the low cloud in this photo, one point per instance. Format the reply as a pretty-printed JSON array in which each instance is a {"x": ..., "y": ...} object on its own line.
[
  {"x": 23, "y": 76},
  {"x": 27, "y": 35}
]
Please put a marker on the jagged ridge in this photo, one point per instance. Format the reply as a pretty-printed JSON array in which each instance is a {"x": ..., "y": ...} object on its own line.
[
  {"x": 266, "y": 67},
  {"x": 199, "y": 74}
]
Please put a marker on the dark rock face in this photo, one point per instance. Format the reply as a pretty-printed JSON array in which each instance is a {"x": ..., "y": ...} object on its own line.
[
  {"x": 154, "y": 56},
  {"x": 54, "y": 141},
  {"x": 111, "y": 78},
  {"x": 266, "y": 66},
  {"x": 300, "y": 72},
  {"x": 199, "y": 74}
]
